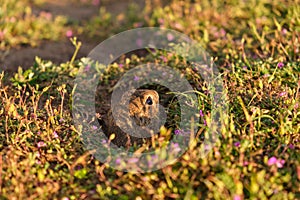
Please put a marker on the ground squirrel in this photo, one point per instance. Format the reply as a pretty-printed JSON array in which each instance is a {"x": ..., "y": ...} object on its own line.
[{"x": 134, "y": 118}]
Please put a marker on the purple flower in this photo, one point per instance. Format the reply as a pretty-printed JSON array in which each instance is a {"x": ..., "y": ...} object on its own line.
[
  {"x": 177, "y": 132},
  {"x": 282, "y": 93},
  {"x": 291, "y": 146},
  {"x": 118, "y": 161},
  {"x": 207, "y": 147},
  {"x": 178, "y": 26},
  {"x": 104, "y": 141},
  {"x": 78, "y": 167},
  {"x": 284, "y": 31},
  {"x": 237, "y": 144},
  {"x": 69, "y": 33},
  {"x": 87, "y": 68},
  {"x": 138, "y": 24},
  {"x": 280, "y": 163},
  {"x": 274, "y": 161},
  {"x": 55, "y": 134},
  {"x": 176, "y": 149},
  {"x": 153, "y": 160},
  {"x": 204, "y": 122},
  {"x": 170, "y": 37},
  {"x": 150, "y": 163},
  {"x": 280, "y": 65},
  {"x": 201, "y": 113},
  {"x": 164, "y": 58},
  {"x": 222, "y": 32},
  {"x": 175, "y": 145},
  {"x": 181, "y": 132},
  {"x": 38, "y": 162},
  {"x": 237, "y": 197},
  {"x": 245, "y": 163},
  {"x": 121, "y": 65},
  {"x": 161, "y": 21},
  {"x": 94, "y": 127},
  {"x": 154, "y": 157},
  {"x": 245, "y": 67},
  {"x": 32, "y": 114},
  {"x": 153, "y": 50},
  {"x": 41, "y": 144},
  {"x": 136, "y": 78},
  {"x": 133, "y": 160},
  {"x": 61, "y": 120}
]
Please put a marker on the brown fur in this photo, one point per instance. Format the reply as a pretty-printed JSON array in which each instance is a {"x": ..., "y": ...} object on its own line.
[{"x": 142, "y": 108}]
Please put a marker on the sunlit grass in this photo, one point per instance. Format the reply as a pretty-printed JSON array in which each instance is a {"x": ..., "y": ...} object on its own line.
[
  {"x": 257, "y": 157},
  {"x": 20, "y": 25}
]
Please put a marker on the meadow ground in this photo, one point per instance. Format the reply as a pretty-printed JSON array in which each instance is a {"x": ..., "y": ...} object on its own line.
[{"x": 254, "y": 44}]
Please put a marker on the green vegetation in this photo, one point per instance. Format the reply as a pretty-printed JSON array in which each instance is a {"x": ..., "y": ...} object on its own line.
[
  {"x": 256, "y": 46},
  {"x": 20, "y": 26}
]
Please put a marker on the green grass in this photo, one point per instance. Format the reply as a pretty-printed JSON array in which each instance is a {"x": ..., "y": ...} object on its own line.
[
  {"x": 19, "y": 25},
  {"x": 257, "y": 50}
]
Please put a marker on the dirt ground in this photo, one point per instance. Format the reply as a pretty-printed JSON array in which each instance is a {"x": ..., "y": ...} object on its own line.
[{"x": 61, "y": 51}]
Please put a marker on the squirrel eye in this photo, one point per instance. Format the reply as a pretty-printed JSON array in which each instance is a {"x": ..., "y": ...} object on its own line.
[{"x": 149, "y": 101}]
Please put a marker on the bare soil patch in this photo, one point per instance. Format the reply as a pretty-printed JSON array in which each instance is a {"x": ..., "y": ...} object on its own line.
[{"x": 60, "y": 51}]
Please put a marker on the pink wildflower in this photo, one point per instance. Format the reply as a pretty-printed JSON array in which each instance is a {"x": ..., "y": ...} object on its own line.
[
  {"x": 280, "y": 65},
  {"x": 41, "y": 144},
  {"x": 69, "y": 33},
  {"x": 55, "y": 134},
  {"x": 274, "y": 161}
]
